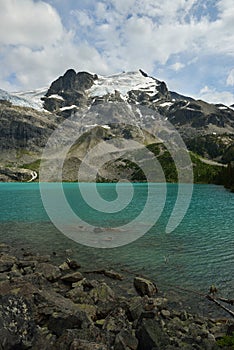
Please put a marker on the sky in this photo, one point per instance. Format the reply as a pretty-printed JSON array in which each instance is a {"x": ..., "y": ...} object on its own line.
[{"x": 189, "y": 44}]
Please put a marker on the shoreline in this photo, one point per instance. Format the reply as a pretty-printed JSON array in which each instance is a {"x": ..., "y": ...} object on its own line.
[{"x": 61, "y": 305}]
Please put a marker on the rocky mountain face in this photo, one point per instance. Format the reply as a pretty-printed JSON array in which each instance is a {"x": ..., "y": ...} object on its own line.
[{"x": 132, "y": 106}]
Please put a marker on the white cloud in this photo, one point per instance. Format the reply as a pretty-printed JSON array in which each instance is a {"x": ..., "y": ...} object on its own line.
[
  {"x": 177, "y": 66},
  {"x": 84, "y": 19},
  {"x": 37, "y": 44},
  {"x": 214, "y": 96},
  {"x": 230, "y": 78},
  {"x": 29, "y": 23},
  {"x": 36, "y": 48}
]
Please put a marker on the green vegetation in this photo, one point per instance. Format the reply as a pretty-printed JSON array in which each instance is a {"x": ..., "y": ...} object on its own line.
[
  {"x": 204, "y": 173},
  {"x": 32, "y": 166},
  {"x": 168, "y": 166},
  {"x": 226, "y": 341},
  {"x": 226, "y": 177}
]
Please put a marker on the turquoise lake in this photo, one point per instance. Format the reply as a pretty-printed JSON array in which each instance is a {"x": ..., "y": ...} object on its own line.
[{"x": 199, "y": 252}]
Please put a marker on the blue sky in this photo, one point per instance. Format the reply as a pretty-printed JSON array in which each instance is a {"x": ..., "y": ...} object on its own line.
[{"x": 187, "y": 43}]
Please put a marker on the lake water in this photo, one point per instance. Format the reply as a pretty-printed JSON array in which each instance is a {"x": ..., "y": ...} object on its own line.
[{"x": 199, "y": 252}]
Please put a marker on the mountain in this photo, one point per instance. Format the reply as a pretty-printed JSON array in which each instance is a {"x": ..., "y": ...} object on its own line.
[{"x": 129, "y": 105}]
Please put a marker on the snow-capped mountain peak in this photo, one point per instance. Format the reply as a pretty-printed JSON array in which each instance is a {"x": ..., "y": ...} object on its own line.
[{"x": 123, "y": 83}]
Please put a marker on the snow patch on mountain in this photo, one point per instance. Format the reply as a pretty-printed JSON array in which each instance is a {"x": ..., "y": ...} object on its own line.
[
  {"x": 30, "y": 99},
  {"x": 123, "y": 82}
]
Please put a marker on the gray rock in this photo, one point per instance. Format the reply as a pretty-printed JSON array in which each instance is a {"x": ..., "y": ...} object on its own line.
[
  {"x": 72, "y": 277},
  {"x": 135, "y": 308},
  {"x": 64, "y": 319},
  {"x": 64, "y": 266},
  {"x": 102, "y": 293},
  {"x": 50, "y": 272},
  {"x": 165, "y": 313},
  {"x": 145, "y": 287},
  {"x": 151, "y": 335},
  {"x": 73, "y": 264},
  {"x": 6, "y": 262},
  {"x": 114, "y": 275},
  {"x": 125, "y": 340}
]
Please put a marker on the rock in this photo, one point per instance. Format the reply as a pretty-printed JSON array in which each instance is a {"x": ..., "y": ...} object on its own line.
[
  {"x": 113, "y": 274},
  {"x": 125, "y": 341},
  {"x": 145, "y": 287},
  {"x": 6, "y": 262},
  {"x": 160, "y": 303},
  {"x": 72, "y": 277},
  {"x": 73, "y": 264},
  {"x": 102, "y": 293},
  {"x": 80, "y": 339},
  {"x": 116, "y": 321},
  {"x": 50, "y": 272},
  {"x": 184, "y": 316},
  {"x": 27, "y": 263},
  {"x": 39, "y": 258},
  {"x": 86, "y": 345},
  {"x": 78, "y": 296},
  {"x": 4, "y": 248},
  {"x": 64, "y": 266},
  {"x": 61, "y": 320},
  {"x": 165, "y": 313},
  {"x": 151, "y": 335},
  {"x": 90, "y": 310},
  {"x": 17, "y": 327},
  {"x": 135, "y": 308},
  {"x": 68, "y": 90}
]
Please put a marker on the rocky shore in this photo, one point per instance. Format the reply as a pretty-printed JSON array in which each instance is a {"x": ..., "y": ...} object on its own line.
[{"x": 48, "y": 306}]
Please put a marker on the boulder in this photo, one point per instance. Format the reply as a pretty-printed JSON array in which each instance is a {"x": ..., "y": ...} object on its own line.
[
  {"x": 72, "y": 277},
  {"x": 114, "y": 275},
  {"x": 125, "y": 340},
  {"x": 151, "y": 335},
  {"x": 6, "y": 262},
  {"x": 50, "y": 272},
  {"x": 77, "y": 295},
  {"x": 63, "y": 319},
  {"x": 135, "y": 308},
  {"x": 64, "y": 266},
  {"x": 144, "y": 286},
  {"x": 73, "y": 264},
  {"x": 116, "y": 321},
  {"x": 102, "y": 293}
]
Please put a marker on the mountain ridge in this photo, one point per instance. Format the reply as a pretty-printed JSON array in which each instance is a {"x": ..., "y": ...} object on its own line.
[{"x": 207, "y": 129}]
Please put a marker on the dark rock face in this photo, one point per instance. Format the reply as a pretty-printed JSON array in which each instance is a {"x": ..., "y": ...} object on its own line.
[
  {"x": 71, "y": 81},
  {"x": 68, "y": 90}
]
